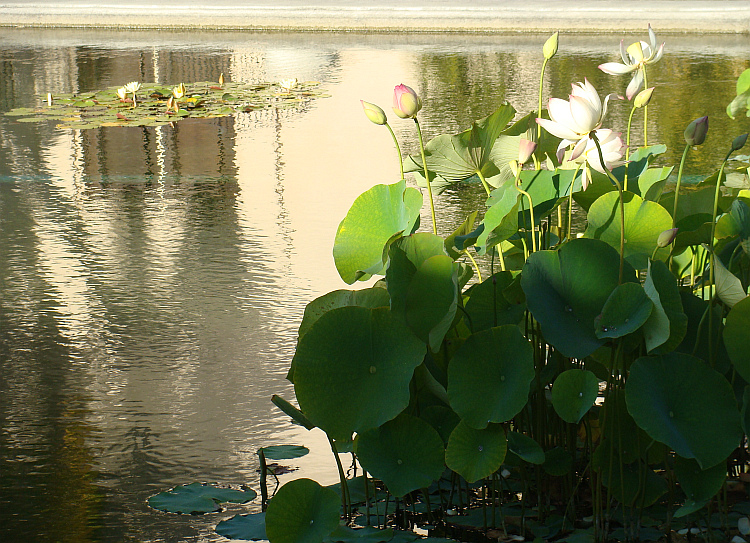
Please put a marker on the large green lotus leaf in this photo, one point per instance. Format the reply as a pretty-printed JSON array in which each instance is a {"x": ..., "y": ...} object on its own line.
[
  {"x": 285, "y": 452},
  {"x": 476, "y": 454},
  {"x": 442, "y": 418},
  {"x": 197, "y": 498},
  {"x": 353, "y": 368},
  {"x": 736, "y": 222},
  {"x": 302, "y": 511},
  {"x": 566, "y": 289},
  {"x": 406, "y": 454},
  {"x": 358, "y": 495},
  {"x": 557, "y": 462},
  {"x": 406, "y": 256},
  {"x": 680, "y": 401},
  {"x": 624, "y": 312},
  {"x": 644, "y": 221},
  {"x": 737, "y": 337},
  {"x": 367, "y": 534},
  {"x": 525, "y": 448},
  {"x": 651, "y": 182},
  {"x": 459, "y": 157},
  {"x": 698, "y": 485},
  {"x": 728, "y": 286},
  {"x": 573, "y": 394},
  {"x": 368, "y": 297},
  {"x": 377, "y": 217},
  {"x": 247, "y": 527},
  {"x": 696, "y": 341},
  {"x": 745, "y": 411},
  {"x": 667, "y": 324},
  {"x": 487, "y": 306},
  {"x": 489, "y": 376},
  {"x": 432, "y": 299}
]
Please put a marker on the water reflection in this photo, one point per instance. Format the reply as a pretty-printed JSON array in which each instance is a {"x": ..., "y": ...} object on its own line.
[{"x": 152, "y": 279}]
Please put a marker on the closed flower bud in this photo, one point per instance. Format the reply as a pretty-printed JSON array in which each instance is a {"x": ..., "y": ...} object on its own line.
[
  {"x": 406, "y": 102},
  {"x": 739, "y": 142},
  {"x": 525, "y": 150},
  {"x": 644, "y": 97},
  {"x": 695, "y": 133},
  {"x": 550, "y": 46},
  {"x": 374, "y": 113},
  {"x": 666, "y": 237}
]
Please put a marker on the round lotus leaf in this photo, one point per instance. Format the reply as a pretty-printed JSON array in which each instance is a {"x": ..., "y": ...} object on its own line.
[
  {"x": 644, "y": 221},
  {"x": 489, "y": 376},
  {"x": 247, "y": 527},
  {"x": 367, "y": 534},
  {"x": 284, "y": 452},
  {"x": 737, "y": 338},
  {"x": 442, "y": 418},
  {"x": 476, "y": 454},
  {"x": 666, "y": 326},
  {"x": 573, "y": 394},
  {"x": 680, "y": 401},
  {"x": 624, "y": 312},
  {"x": 628, "y": 483},
  {"x": 377, "y": 217},
  {"x": 487, "y": 307},
  {"x": 557, "y": 462},
  {"x": 566, "y": 289},
  {"x": 302, "y": 511},
  {"x": 405, "y": 453},
  {"x": 197, "y": 498},
  {"x": 353, "y": 368},
  {"x": 525, "y": 448},
  {"x": 698, "y": 485},
  {"x": 368, "y": 297}
]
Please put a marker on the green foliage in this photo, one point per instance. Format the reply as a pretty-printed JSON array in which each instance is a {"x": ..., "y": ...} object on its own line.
[
  {"x": 302, "y": 512},
  {"x": 197, "y": 498}
]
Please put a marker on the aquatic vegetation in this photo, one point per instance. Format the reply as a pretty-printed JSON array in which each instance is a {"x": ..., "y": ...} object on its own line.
[
  {"x": 593, "y": 388},
  {"x": 158, "y": 104}
]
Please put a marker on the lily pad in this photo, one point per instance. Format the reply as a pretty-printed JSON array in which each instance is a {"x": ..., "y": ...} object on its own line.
[
  {"x": 285, "y": 452},
  {"x": 624, "y": 312},
  {"x": 573, "y": 394},
  {"x": 198, "y": 498},
  {"x": 247, "y": 527},
  {"x": 698, "y": 485},
  {"x": 476, "y": 454}
]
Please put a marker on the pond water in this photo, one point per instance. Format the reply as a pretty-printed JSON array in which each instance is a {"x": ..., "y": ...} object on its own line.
[{"x": 152, "y": 279}]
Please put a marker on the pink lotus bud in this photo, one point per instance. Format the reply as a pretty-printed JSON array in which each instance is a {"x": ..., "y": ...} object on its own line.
[
  {"x": 739, "y": 142},
  {"x": 406, "y": 102},
  {"x": 525, "y": 150},
  {"x": 666, "y": 237},
  {"x": 374, "y": 113},
  {"x": 695, "y": 133}
]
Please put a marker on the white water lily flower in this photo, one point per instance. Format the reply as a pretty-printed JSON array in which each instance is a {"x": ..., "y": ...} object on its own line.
[
  {"x": 132, "y": 87},
  {"x": 612, "y": 151},
  {"x": 634, "y": 58},
  {"x": 122, "y": 94},
  {"x": 288, "y": 84},
  {"x": 179, "y": 91},
  {"x": 573, "y": 120}
]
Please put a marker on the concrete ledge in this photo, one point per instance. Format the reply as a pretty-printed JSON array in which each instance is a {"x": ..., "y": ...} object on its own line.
[{"x": 588, "y": 16}]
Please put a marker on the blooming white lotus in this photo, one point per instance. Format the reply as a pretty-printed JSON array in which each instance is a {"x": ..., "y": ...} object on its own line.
[
  {"x": 122, "y": 94},
  {"x": 288, "y": 84},
  {"x": 612, "y": 151},
  {"x": 132, "y": 88},
  {"x": 635, "y": 57},
  {"x": 573, "y": 120},
  {"x": 179, "y": 91}
]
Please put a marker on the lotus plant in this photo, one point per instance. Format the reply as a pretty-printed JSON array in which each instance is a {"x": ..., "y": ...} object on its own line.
[{"x": 377, "y": 116}]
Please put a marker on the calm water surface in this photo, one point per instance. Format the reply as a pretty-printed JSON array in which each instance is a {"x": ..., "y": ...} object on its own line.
[{"x": 152, "y": 280}]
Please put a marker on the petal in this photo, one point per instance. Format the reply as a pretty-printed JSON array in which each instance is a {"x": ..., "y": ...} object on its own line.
[
  {"x": 652, "y": 37},
  {"x": 607, "y": 98},
  {"x": 585, "y": 177},
  {"x": 624, "y": 52},
  {"x": 635, "y": 85},
  {"x": 657, "y": 56},
  {"x": 615, "y": 68},
  {"x": 579, "y": 148},
  {"x": 559, "y": 130},
  {"x": 585, "y": 116}
]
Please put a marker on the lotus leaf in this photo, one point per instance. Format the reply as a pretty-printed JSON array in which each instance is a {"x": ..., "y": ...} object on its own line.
[
  {"x": 284, "y": 452},
  {"x": 573, "y": 394},
  {"x": 197, "y": 498},
  {"x": 698, "y": 485},
  {"x": 624, "y": 312},
  {"x": 487, "y": 306},
  {"x": 525, "y": 448},
  {"x": 248, "y": 527},
  {"x": 680, "y": 401},
  {"x": 353, "y": 368},
  {"x": 667, "y": 324},
  {"x": 737, "y": 337},
  {"x": 302, "y": 511},
  {"x": 405, "y": 453},
  {"x": 476, "y": 454}
]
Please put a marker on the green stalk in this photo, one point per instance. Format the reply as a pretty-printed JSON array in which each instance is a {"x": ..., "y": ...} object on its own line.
[
  {"x": 570, "y": 199},
  {"x": 622, "y": 204},
  {"x": 537, "y": 165},
  {"x": 531, "y": 209},
  {"x": 679, "y": 182},
  {"x": 426, "y": 176},
  {"x": 484, "y": 182},
  {"x": 474, "y": 262},
  {"x": 263, "y": 480},
  {"x": 398, "y": 150},
  {"x": 345, "y": 501}
]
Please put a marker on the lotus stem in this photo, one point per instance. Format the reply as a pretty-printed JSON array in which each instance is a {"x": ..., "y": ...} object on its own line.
[
  {"x": 263, "y": 480},
  {"x": 398, "y": 150},
  {"x": 486, "y": 185},
  {"x": 537, "y": 165},
  {"x": 531, "y": 209},
  {"x": 474, "y": 262},
  {"x": 627, "y": 147},
  {"x": 570, "y": 199},
  {"x": 426, "y": 176},
  {"x": 677, "y": 187},
  {"x": 345, "y": 501}
]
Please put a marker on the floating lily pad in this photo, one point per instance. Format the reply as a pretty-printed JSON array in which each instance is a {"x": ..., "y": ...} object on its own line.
[
  {"x": 248, "y": 527},
  {"x": 201, "y": 100},
  {"x": 284, "y": 452},
  {"x": 197, "y": 498}
]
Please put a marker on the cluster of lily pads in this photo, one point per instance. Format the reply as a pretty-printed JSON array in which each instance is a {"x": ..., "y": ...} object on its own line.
[
  {"x": 153, "y": 104},
  {"x": 594, "y": 386}
]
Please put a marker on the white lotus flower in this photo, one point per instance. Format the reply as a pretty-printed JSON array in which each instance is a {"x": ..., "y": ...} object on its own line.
[
  {"x": 288, "y": 84},
  {"x": 635, "y": 58},
  {"x": 612, "y": 151},
  {"x": 132, "y": 87},
  {"x": 179, "y": 91},
  {"x": 122, "y": 94},
  {"x": 573, "y": 120}
]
